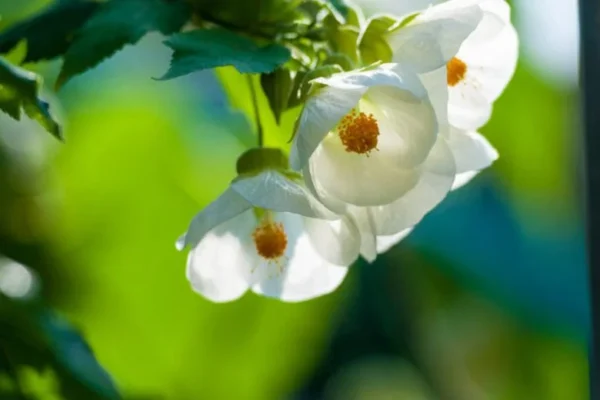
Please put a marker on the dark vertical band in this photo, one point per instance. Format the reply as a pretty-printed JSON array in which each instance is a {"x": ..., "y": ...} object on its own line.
[{"x": 589, "y": 11}]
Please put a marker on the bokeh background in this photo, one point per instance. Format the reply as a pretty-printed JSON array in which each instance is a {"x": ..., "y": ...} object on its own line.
[{"x": 487, "y": 299}]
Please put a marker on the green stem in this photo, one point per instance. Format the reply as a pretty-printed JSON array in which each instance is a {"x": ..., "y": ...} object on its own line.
[{"x": 259, "y": 128}]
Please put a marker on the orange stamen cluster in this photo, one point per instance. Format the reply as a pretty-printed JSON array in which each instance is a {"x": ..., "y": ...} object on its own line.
[
  {"x": 359, "y": 132},
  {"x": 270, "y": 240},
  {"x": 457, "y": 70}
]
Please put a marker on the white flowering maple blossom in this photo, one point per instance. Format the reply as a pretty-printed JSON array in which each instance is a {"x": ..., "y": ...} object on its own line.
[
  {"x": 363, "y": 136},
  {"x": 267, "y": 233},
  {"x": 475, "y": 64}
]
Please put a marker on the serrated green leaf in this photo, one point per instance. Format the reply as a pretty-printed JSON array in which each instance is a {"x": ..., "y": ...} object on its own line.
[
  {"x": 19, "y": 90},
  {"x": 116, "y": 24},
  {"x": 211, "y": 48},
  {"x": 48, "y": 33},
  {"x": 277, "y": 87}
]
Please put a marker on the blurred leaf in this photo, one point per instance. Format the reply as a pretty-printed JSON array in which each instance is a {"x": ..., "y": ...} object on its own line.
[
  {"x": 33, "y": 337},
  {"x": 49, "y": 32},
  {"x": 19, "y": 90},
  {"x": 277, "y": 87},
  {"x": 116, "y": 24},
  {"x": 373, "y": 47},
  {"x": 204, "y": 49}
]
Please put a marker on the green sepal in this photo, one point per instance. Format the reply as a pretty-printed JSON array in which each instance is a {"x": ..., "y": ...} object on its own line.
[
  {"x": 256, "y": 160},
  {"x": 373, "y": 45},
  {"x": 303, "y": 84},
  {"x": 277, "y": 87}
]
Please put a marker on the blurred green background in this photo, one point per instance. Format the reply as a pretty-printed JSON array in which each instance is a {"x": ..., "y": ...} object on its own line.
[{"x": 487, "y": 299}]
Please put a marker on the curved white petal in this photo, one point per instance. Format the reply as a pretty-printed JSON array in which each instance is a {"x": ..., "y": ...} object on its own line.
[
  {"x": 435, "y": 36},
  {"x": 384, "y": 243},
  {"x": 389, "y": 74},
  {"x": 463, "y": 178},
  {"x": 226, "y": 206},
  {"x": 303, "y": 274},
  {"x": 434, "y": 184},
  {"x": 271, "y": 190},
  {"x": 322, "y": 112},
  {"x": 407, "y": 124},
  {"x": 368, "y": 241},
  {"x": 336, "y": 241},
  {"x": 356, "y": 178},
  {"x": 436, "y": 84},
  {"x": 471, "y": 150},
  {"x": 218, "y": 267}
]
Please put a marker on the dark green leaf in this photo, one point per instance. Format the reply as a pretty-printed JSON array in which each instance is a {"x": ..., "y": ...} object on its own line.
[
  {"x": 116, "y": 24},
  {"x": 19, "y": 89},
  {"x": 204, "y": 49},
  {"x": 49, "y": 32},
  {"x": 30, "y": 336},
  {"x": 277, "y": 87}
]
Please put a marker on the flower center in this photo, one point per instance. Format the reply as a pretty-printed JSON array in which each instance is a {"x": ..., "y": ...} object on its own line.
[
  {"x": 359, "y": 132},
  {"x": 270, "y": 240},
  {"x": 457, "y": 69}
]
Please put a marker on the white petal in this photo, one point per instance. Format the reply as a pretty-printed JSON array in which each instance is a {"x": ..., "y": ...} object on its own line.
[
  {"x": 434, "y": 37},
  {"x": 436, "y": 83},
  {"x": 490, "y": 54},
  {"x": 226, "y": 206},
  {"x": 356, "y": 178},
  {"x": 271, "y": 190},
  {"x": 219, "y": 266},
  {"x": 470, "y": 111},
  {"x": 336, "y": 241},
  {"x": 368, "y": 241},
  {"x": 389, "y": 74},
  {"x": 304, "y": 274},
  {"x": 407, "y": 124},
  {"x": 471, "y": 150},
  {"x": 433, "y": 186},
  {"x": 384, "y": 243},
  {"x": 463, "y": 178},
  {"x": 321, "y": 113}
]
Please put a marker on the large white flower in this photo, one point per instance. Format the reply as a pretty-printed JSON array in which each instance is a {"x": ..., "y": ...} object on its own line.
[
  {"x": 267, "y": 233},
  {"x": 363, "y": 135}
]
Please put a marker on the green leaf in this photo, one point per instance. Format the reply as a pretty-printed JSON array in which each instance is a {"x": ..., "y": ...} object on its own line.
[
  {"x": 204, "y": 49},
  {"x": 19, "y": 89},
  {"x": 277, "y": 87},
  {"x": 36, "y": 338},
  {"x": 373, "y": 47},
  {"x": 49, "y": 32},
  {"x": 116, "y": 24}
]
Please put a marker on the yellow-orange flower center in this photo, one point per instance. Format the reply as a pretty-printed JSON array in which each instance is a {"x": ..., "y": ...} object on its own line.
[
  {"x": 457, "y": 69},
  {"x": 270, "y": 240},
  {"x": 359, "y": 132}
]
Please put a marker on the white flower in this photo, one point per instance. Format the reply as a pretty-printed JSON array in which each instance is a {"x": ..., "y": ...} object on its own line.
[
  {"x": 466, "y": 51},
  {"x": 363, "y": 136},
  {"x": 268, "y": 234}
]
